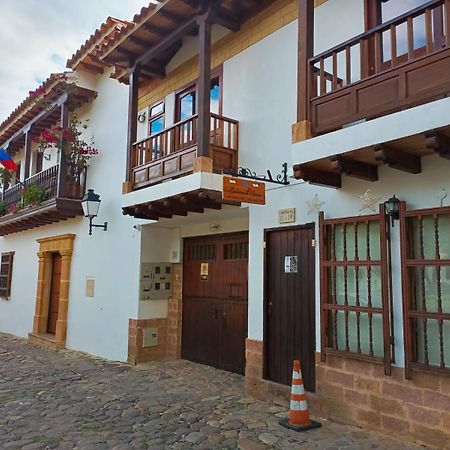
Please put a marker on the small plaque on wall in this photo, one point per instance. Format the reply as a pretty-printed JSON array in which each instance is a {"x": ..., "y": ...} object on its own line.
[{"x": 286, "y": 215}]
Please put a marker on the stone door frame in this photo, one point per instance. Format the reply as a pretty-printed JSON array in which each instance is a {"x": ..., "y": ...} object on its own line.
[{"x": 63, "y": 245}]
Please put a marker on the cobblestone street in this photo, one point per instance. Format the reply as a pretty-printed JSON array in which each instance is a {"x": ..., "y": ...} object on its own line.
[{"x": 64, "y": 400}]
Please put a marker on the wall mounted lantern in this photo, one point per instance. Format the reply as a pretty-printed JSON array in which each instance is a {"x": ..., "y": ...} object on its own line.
[
  {"x": 393, "y": 208},
  {"x": 91, "y": 204}
]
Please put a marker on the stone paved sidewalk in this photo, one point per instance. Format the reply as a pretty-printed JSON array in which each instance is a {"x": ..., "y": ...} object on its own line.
[{"x": 65, "y": 400}]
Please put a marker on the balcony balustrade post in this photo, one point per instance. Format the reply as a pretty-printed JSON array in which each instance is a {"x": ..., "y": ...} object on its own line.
[
  {"x": 62, "y": 171},
  {"x": 28, "y": 142},
  {"x": 204, "y": 86},
  {"x": 302, "y": 129},
  {"x": 133, "y": 89}
]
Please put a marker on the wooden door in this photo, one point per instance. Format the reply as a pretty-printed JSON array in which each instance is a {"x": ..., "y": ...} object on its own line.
[
  {"x": 215, "y": 301},
  {"x": 54, "y": 293},
  {"x": 290, "y": 304}
]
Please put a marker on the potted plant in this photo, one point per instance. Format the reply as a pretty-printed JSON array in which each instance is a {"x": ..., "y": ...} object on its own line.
[
  {"x": 76, "y": 151},
  {"x": 33, "y": 195}
]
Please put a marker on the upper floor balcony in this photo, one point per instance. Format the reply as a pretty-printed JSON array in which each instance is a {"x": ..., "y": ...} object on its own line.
[
  {"x": 397, "y": 64},
  {"x": 49, "y": 183},
  {"x": 42, "y": 199},
  {"x": 171, "y": 153},
  {"x": 377, "y": 98}
]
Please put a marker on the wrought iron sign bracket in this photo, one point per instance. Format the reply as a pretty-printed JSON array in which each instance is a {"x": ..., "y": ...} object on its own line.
[{"x": 243, "y": 172}]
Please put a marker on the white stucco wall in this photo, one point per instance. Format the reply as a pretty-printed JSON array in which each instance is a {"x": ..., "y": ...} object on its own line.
[{"x": 96, "y": 325}]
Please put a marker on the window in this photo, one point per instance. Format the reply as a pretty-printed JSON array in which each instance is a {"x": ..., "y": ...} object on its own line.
[
  {"x": 425, "y": 244},
  {"x": 156, "y": 118},
  {"x": 186, "y": 104},
  {"x": 355, "y": 288},
  {"x": 6, "y": 274},
  {"x": 186, "y": 100}
]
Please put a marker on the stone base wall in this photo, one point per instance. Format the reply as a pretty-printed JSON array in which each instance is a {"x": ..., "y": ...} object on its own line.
[
  {"x": 359, "y": 393},
  {"x": 137, "y": 353},
  {"x": 169, "y": 329}
]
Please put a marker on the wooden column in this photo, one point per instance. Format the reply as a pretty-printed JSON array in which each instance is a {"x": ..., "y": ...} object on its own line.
[
  {"x": 133, "y": 90},
  {"x": 302, "y": 129},
  {"x": 28, "y": 142},
  {"x": 62, "y": 173},
  {"x": 204, "y": 88}
]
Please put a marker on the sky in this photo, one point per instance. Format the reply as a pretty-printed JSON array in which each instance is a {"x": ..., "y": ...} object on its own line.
[{"x": 38, "y": 36}]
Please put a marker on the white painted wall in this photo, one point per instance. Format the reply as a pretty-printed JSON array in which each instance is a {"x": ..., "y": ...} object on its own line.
[{"x": 96, "y": 325}]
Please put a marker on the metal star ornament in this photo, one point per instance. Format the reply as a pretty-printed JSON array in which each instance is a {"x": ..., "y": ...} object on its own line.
[
  {"x": 314, "y": 205},
  {"x": 369, "y": 201}
]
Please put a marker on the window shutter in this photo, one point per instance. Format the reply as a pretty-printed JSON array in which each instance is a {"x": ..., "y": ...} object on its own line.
[{"x": 6, "y": 274}]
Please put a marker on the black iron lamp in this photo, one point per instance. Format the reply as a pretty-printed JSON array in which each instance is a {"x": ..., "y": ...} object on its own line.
[
  {"x": 393, "y": 208},
  {"x": 91, "y": 204}
]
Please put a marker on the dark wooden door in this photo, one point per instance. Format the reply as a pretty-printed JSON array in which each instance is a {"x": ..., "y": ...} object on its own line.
[
  {"x": 55, "y": 286},
  {"x": 215, "y": 301},
  {"x": 289, "y": 304}
]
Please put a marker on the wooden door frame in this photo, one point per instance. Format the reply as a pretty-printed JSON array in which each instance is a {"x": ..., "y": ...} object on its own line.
[{"x": 267, "y": 231}]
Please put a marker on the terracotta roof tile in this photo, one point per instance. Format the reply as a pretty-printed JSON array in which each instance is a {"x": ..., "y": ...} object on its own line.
[{"x": 111, "y": 28}]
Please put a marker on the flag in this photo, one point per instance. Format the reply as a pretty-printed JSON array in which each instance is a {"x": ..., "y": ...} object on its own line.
[{"x": 6, "y": 161}]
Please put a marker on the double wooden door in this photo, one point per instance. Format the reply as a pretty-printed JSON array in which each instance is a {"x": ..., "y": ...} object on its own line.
[
  {"x": 215, "y": 301},
  {"x": 55, "y": 287},
  {"x": 290, "y": 304}
]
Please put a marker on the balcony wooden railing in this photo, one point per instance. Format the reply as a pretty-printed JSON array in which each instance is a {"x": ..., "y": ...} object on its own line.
[
  {"x": 47, "y": 181},
  {"x": 395, "y": 65},
  {"x": 171, "y": 153}
]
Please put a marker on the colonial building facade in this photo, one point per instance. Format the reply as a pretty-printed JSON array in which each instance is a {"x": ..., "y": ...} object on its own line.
[{"x": 345, "y": 107}]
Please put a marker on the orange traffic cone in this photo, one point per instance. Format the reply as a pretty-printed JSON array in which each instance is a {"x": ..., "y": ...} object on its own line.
[{"x": 299, "y": 419}]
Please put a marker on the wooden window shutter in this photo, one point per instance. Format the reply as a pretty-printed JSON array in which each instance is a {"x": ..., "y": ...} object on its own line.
[{"x": 6, "y": 266}]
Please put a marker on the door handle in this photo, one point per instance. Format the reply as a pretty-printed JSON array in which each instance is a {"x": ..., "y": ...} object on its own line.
[{"x": 216, "y": 316}]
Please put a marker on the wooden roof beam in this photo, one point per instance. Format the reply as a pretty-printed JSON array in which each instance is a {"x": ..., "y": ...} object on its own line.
[
  {"x": 398, "y": 159},
  {"x": 166, "y": 42},
  {"x": 356, "y": 169},
  {"x": 438, "y": 142},
  {"x": 226, "y": 20},
  {"x": 318, "y": 177}
]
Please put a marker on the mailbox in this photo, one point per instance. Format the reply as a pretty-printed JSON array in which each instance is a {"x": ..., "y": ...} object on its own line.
[{"x": 156, "y": 281}]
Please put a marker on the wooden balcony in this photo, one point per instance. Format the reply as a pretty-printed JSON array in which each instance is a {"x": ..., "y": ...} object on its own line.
[
  {"x": 171, "y": 153},
  {"x": 400, "y": 64},
  {"x": 61, "y": 200}
]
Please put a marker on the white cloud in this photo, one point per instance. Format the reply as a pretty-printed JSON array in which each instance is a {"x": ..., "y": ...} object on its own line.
[{"x": 38, "y": 36}]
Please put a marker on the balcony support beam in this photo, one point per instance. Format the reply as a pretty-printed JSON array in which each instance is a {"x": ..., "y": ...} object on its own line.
[
  {"x": 318, "y": 177},
  {"x": 204, "y": 84},
  {"x": 398, "y": 159},
  {"x": 356, "y": 169}
]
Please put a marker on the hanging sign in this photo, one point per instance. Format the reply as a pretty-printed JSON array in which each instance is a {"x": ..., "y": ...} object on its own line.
[
  {"x": 246, "y": 191},
  {"x": 204, "y": 271},
  {"x": 291, "y": 264}
]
